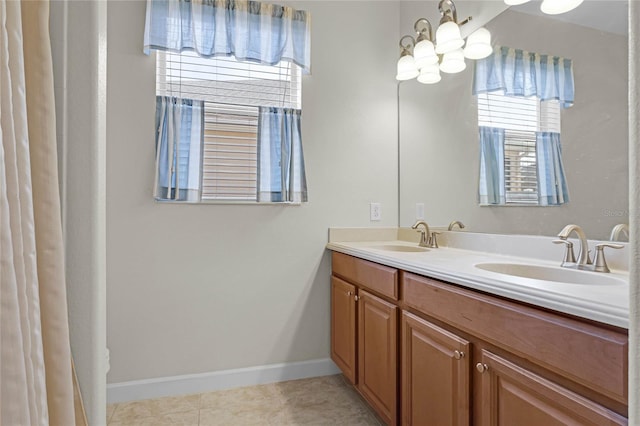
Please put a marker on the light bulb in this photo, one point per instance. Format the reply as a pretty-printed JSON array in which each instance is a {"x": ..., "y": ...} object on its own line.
[
  {"x": 407, "y": 68},
  {"x": 448, "y": 37},
  {"x": 429, "y": 74},
  {"x": 424, "y": 54},
  {"x": 453, "y": 62},
  {"x": 556, "y": 7},
  {"x": 478, "y": 44}
]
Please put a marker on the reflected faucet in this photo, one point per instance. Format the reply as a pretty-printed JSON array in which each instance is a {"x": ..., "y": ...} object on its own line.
[
  {"x": 583, "y": 254},
  {"x": 424, "y": 233},
  {"x": 617, "y": 230},
  {"x": 454, "y": 223}
]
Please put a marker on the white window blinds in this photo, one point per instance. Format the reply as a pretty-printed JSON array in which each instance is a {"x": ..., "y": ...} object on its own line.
[
  {"x": 521, "y": 117},
  {"x": 232, "y": 92}
]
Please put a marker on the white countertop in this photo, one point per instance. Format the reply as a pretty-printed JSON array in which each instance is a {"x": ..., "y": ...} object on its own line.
[{"x": 607, "y": 303}]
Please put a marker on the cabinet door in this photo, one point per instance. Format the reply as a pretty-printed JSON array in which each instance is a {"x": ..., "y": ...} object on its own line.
[
  {"x": 377, "y": 354},
  {"x": 343, "y": 327},
  {"x": 511, "y": 395},
  {"x": 435, "y": 375}
]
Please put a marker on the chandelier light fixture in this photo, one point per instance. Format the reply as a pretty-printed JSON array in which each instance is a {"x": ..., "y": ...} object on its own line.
[
  {"x": 551, "y": 7},
  {"x": 425, "y": 57}
]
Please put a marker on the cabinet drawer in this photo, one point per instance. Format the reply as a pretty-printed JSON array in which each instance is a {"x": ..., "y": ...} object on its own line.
[
  {"x": 380, "y": 279},
  {"x": 584, "y": 353}
]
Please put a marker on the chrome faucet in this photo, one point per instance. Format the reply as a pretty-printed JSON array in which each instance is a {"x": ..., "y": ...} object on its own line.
[
  {"x": 425, "y": 233},
  {"x": 583, "y": 254},
  {"x": 617, "y": 230},
  {"x": 454, "y": 223}
]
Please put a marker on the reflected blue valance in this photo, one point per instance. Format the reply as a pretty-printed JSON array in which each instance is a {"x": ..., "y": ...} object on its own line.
[
  {"x": 520, "y": 73},
  {"x": 249, "y": 30},
  {"x": 178, "y": 148},
  {"x": 491, "y": 188},
  {"x": 281, "y": 172},
  {"x": 552, "y": 183}
]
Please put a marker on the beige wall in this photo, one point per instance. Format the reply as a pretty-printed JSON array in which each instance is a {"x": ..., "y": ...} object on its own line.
[
  {"x": 199, "y": 288},
  {"x": 78, "y": 31},
  {"x": 439, "y": 129}
]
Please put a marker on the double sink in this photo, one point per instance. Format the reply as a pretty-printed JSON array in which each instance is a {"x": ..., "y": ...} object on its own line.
[
  {"x": 517, "y": 267},
  {"x": 530, "y": 271}
]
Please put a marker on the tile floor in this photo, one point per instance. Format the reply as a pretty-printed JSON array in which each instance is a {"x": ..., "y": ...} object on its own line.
[{"x": 325, "y": 400}]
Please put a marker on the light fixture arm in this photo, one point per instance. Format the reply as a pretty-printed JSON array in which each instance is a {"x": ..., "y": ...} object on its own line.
[
  {"x": 449, "y": 14},
  {"x": 451, "y": 9},
  {"x": 406, "y": 46},
  {"x": 423, "y": 30}
]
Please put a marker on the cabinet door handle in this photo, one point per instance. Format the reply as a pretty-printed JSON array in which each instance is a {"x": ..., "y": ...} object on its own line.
[
  {"x": 356, "y": 298},
  {"x": 482, "y": 367},
  {"x": 458, "y": 354},
  {"x": 349, "y": 293}
]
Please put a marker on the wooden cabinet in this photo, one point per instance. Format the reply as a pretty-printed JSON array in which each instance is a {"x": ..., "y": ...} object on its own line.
[
  {"x": 377, "y": 354},
  {"x": 435, "y": 375},
  {"x": 512, "y": 395},
  {"x": 586, "y": 354},
  {"x": 364, "y": 330},
  {"x": 454, "y": 356},
  {"x": 343, "y": 327}
]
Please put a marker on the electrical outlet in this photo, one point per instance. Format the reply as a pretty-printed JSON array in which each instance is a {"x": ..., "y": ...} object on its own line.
[
  {"x": 419, "y": 211},
  {"x": 375, "y": 212}
]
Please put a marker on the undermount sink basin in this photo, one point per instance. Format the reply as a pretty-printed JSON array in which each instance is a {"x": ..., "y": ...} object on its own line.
[
  {"x": 400, "y": 248},
  {"x": 546, "y": 273}
]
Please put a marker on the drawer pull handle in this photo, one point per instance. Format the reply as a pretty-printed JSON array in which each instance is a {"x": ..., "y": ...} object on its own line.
[
  {"x": 482, "y": 367},
  {"x": 349, "y": 293},
  {"x": 458, "y": 354}
]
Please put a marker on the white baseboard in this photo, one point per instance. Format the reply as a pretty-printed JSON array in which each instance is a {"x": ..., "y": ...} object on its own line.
[{"x": 218, "y": 380}]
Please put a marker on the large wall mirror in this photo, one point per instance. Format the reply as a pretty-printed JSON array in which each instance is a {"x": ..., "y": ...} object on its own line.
[{"x": 438, "y": 133}]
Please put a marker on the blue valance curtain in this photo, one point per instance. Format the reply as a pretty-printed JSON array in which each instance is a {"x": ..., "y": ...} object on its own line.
[
  {"x": 517, "y": 72},
  {"x": 249, "y": 30},
  {"x": 281, "y": 171},
  {"x": 178, "y": 148}
]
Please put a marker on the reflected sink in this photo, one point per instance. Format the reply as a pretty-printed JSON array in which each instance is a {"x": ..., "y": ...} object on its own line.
[
  {"x": 400, "y": 248},
  {"x": 546, "y": 273}
]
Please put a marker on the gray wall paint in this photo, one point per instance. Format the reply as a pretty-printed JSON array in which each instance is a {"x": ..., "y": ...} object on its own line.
[
  {"x": 439, "y": 156},
  {"x": 199, "y": 288}
]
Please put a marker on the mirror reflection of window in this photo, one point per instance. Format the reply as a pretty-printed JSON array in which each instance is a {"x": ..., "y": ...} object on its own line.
[
  {"x": 520, "y": 95},
  {"x": 520, "y": 117}
]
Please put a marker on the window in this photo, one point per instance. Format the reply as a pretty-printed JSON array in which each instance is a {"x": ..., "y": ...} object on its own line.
[
  {"x": 232, "y": 93},
  {"x": 520, "y": 117}
]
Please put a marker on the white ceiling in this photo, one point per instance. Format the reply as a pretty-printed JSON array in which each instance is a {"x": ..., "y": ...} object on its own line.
[{"x": 604, "y": 15}]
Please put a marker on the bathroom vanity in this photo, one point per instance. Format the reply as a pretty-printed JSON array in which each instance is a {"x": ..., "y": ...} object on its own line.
[{"x": 428, "y": 340}]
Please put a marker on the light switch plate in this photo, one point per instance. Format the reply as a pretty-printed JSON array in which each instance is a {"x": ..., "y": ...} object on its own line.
[
  {"x": 419, "y": 211},
  {"x": 375, "y": 212}
]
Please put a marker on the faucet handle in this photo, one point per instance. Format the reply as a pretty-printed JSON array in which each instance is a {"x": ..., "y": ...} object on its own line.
[
  {"x": 600, "y": 263},
  {"x": 433, "y": 241},
  {"x": 569, "y": 256}
]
